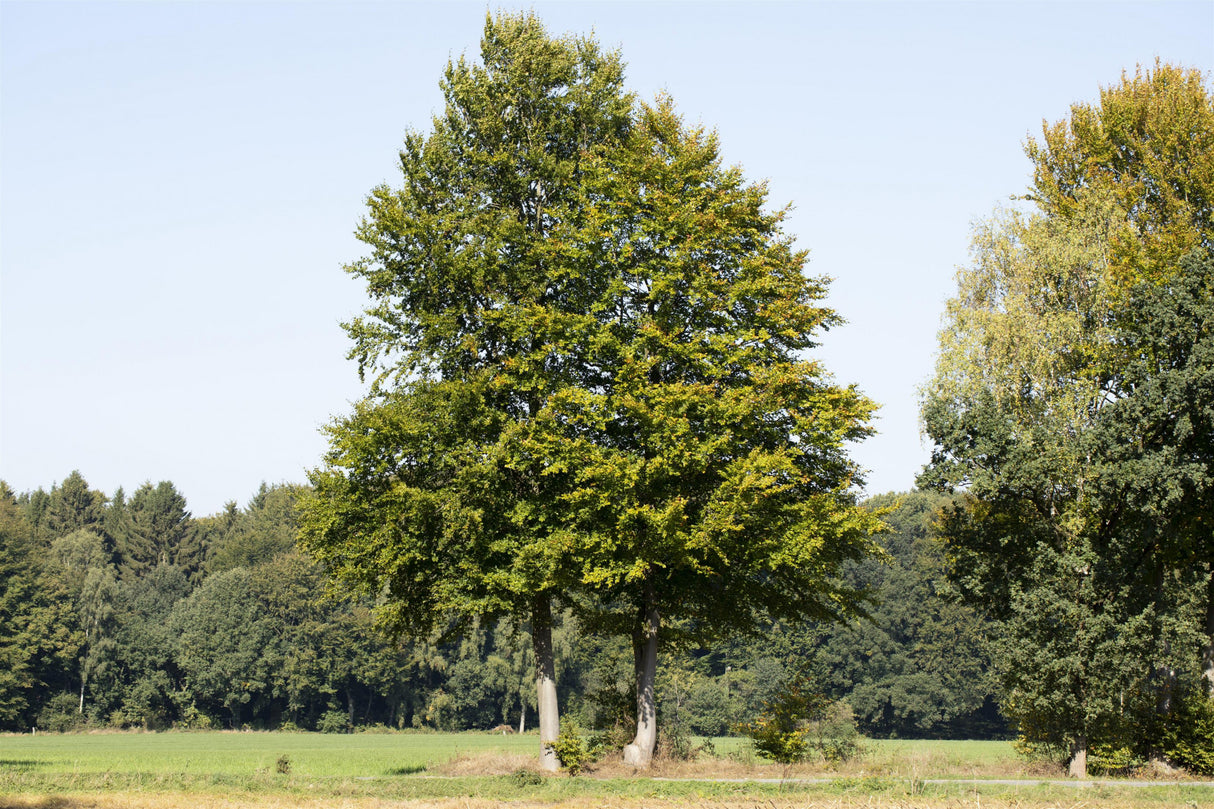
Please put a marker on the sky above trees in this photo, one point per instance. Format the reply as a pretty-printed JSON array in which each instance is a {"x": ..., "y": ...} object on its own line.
[{"x": 179, "y": 185}]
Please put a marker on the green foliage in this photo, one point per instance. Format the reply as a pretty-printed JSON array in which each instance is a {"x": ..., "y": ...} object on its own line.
[
  {"x": 1071, "y": 403},
  {"x": 783, "y": 731},
  {"x": 19, "y": 596},
  {"x": 797, "y": 722},
  {"x": 257, "y": 534},
  {"x": 1148, "y": 145},
  {"x": 572, "y": 749},
  {"x": 524, "y": 778},
  {"x": 333, "y": 722},
  {"x": 1188, "y": 740},
  {"x": 61, "y": 713},
  {"x": 585, "y": 340},
  {"x": 837, "y": 737}
]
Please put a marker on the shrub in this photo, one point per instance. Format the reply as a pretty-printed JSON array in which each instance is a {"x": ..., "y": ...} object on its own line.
[
  {"x": 571, "y": 748},
  {"x": 524, "y": 777},
  {"x": 332, "y": 721},
  {"x": 836, "y": 734},
  {"x": 781, "y": 731},
  {"x": 193, "y": 719},
  {"x": 1112, "y": 759},
  {"x": 674, "y": 742},
  {"x": 61, "y": 713},
  {"x": 796, "y": 722},
  {"x": 1189, "y": 740}
]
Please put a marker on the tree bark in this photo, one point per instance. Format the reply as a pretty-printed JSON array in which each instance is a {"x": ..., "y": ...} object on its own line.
[
  {"x": 545, "y": 681},
  {"x": 1078, "y": 767},
  {"x": 645, "y": 657},
  {"x": 522, "y": 719},
  {"x": 1207, "y": 653}
]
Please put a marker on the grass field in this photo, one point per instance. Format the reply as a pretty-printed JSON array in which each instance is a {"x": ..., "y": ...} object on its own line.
[{"x": 472, "y": 770}]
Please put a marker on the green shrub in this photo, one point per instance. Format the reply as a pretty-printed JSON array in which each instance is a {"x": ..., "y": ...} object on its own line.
[
  {"x": 1113, "y": 759},
  {"x": 836, "y": 734},
  {"x": 333, "y": 722},
  {"x": 1188, "y": 741},
  {"x": 674, "y": 742},
  {"x": 61, "y": 713},
  {"x": 781, "y": 732},
  {"x": 571, "y": 748},
  {"x": 524, "y": 777},
  {"x": 193, "y": 719},
  {"x": 796, "y": 722}
]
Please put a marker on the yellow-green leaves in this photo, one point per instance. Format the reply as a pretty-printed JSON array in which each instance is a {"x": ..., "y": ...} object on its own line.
[{"x": 1148, "y": 146}]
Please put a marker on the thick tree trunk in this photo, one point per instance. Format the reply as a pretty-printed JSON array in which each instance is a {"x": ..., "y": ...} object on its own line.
[
  {"x": 545, "y": 681},
  {"x": 1078, "y": 767},
  {"x": 645, "y": 656}
]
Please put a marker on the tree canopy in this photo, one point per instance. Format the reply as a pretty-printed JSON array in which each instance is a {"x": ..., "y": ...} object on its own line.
[
  {"x": 585, "y": 342},
  {"x": 1076, "y": 509}
]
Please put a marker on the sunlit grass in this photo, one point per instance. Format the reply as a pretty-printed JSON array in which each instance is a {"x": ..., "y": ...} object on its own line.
[
  {"x": 473, "y": 770},
  {"x": 242, "y": 754}
]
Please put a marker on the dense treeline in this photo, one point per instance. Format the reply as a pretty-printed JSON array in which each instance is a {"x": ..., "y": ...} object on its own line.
[{"x": 129, "y": 612}]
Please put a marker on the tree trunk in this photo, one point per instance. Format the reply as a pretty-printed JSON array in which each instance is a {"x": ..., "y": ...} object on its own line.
[
  {"x": 522, "y": 719},
  {"x": 645, "y": 657},
  {"x": 545, "y": 681},
  {"x": 1207, "y": 653},
  {"x": 1078, "y": 767}
]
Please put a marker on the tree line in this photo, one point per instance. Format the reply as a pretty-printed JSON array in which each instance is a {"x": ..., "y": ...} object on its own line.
[{"x": 131, "y": 612}]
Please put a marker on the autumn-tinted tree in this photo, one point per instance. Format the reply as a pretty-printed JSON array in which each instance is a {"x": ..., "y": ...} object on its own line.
[{"x": 1038, "y": 357}]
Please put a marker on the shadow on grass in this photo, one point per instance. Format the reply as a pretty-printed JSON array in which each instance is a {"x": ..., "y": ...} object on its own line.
[
  {"x": 53, "y": 802},
  {"x": 410, "y": 769}
]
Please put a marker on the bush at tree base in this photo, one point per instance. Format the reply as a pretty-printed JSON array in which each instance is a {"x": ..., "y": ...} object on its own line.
[{"x": 797, "y": 722}]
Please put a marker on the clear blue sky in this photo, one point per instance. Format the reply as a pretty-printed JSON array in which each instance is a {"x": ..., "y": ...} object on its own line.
[{"x": 179, "y": 183}]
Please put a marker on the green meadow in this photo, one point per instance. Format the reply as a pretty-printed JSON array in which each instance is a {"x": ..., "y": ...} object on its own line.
[{"x": 470, "y": 770}]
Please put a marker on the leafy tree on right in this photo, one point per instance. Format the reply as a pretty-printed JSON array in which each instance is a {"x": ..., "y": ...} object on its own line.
[{"x": 1072, "y": 405}]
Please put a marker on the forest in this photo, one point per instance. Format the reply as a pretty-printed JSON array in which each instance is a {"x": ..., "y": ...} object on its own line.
[
  {"x": 132, "y": 613},
  {"x": 599, "y": 477}
]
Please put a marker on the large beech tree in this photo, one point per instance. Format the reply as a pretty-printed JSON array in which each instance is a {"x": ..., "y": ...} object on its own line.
[{"x": 587, "y": 344}]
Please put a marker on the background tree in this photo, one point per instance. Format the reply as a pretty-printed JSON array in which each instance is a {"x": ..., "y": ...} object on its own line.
[
  {"x": 1032, "y": 370},
  {"x": 265, "y": 529},
  {"x": 1149, "y": 146},
  {"x": 431, "y": 489},
  {"x": 18, "y": 595},
  {"x": 161, "y": 531}
]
